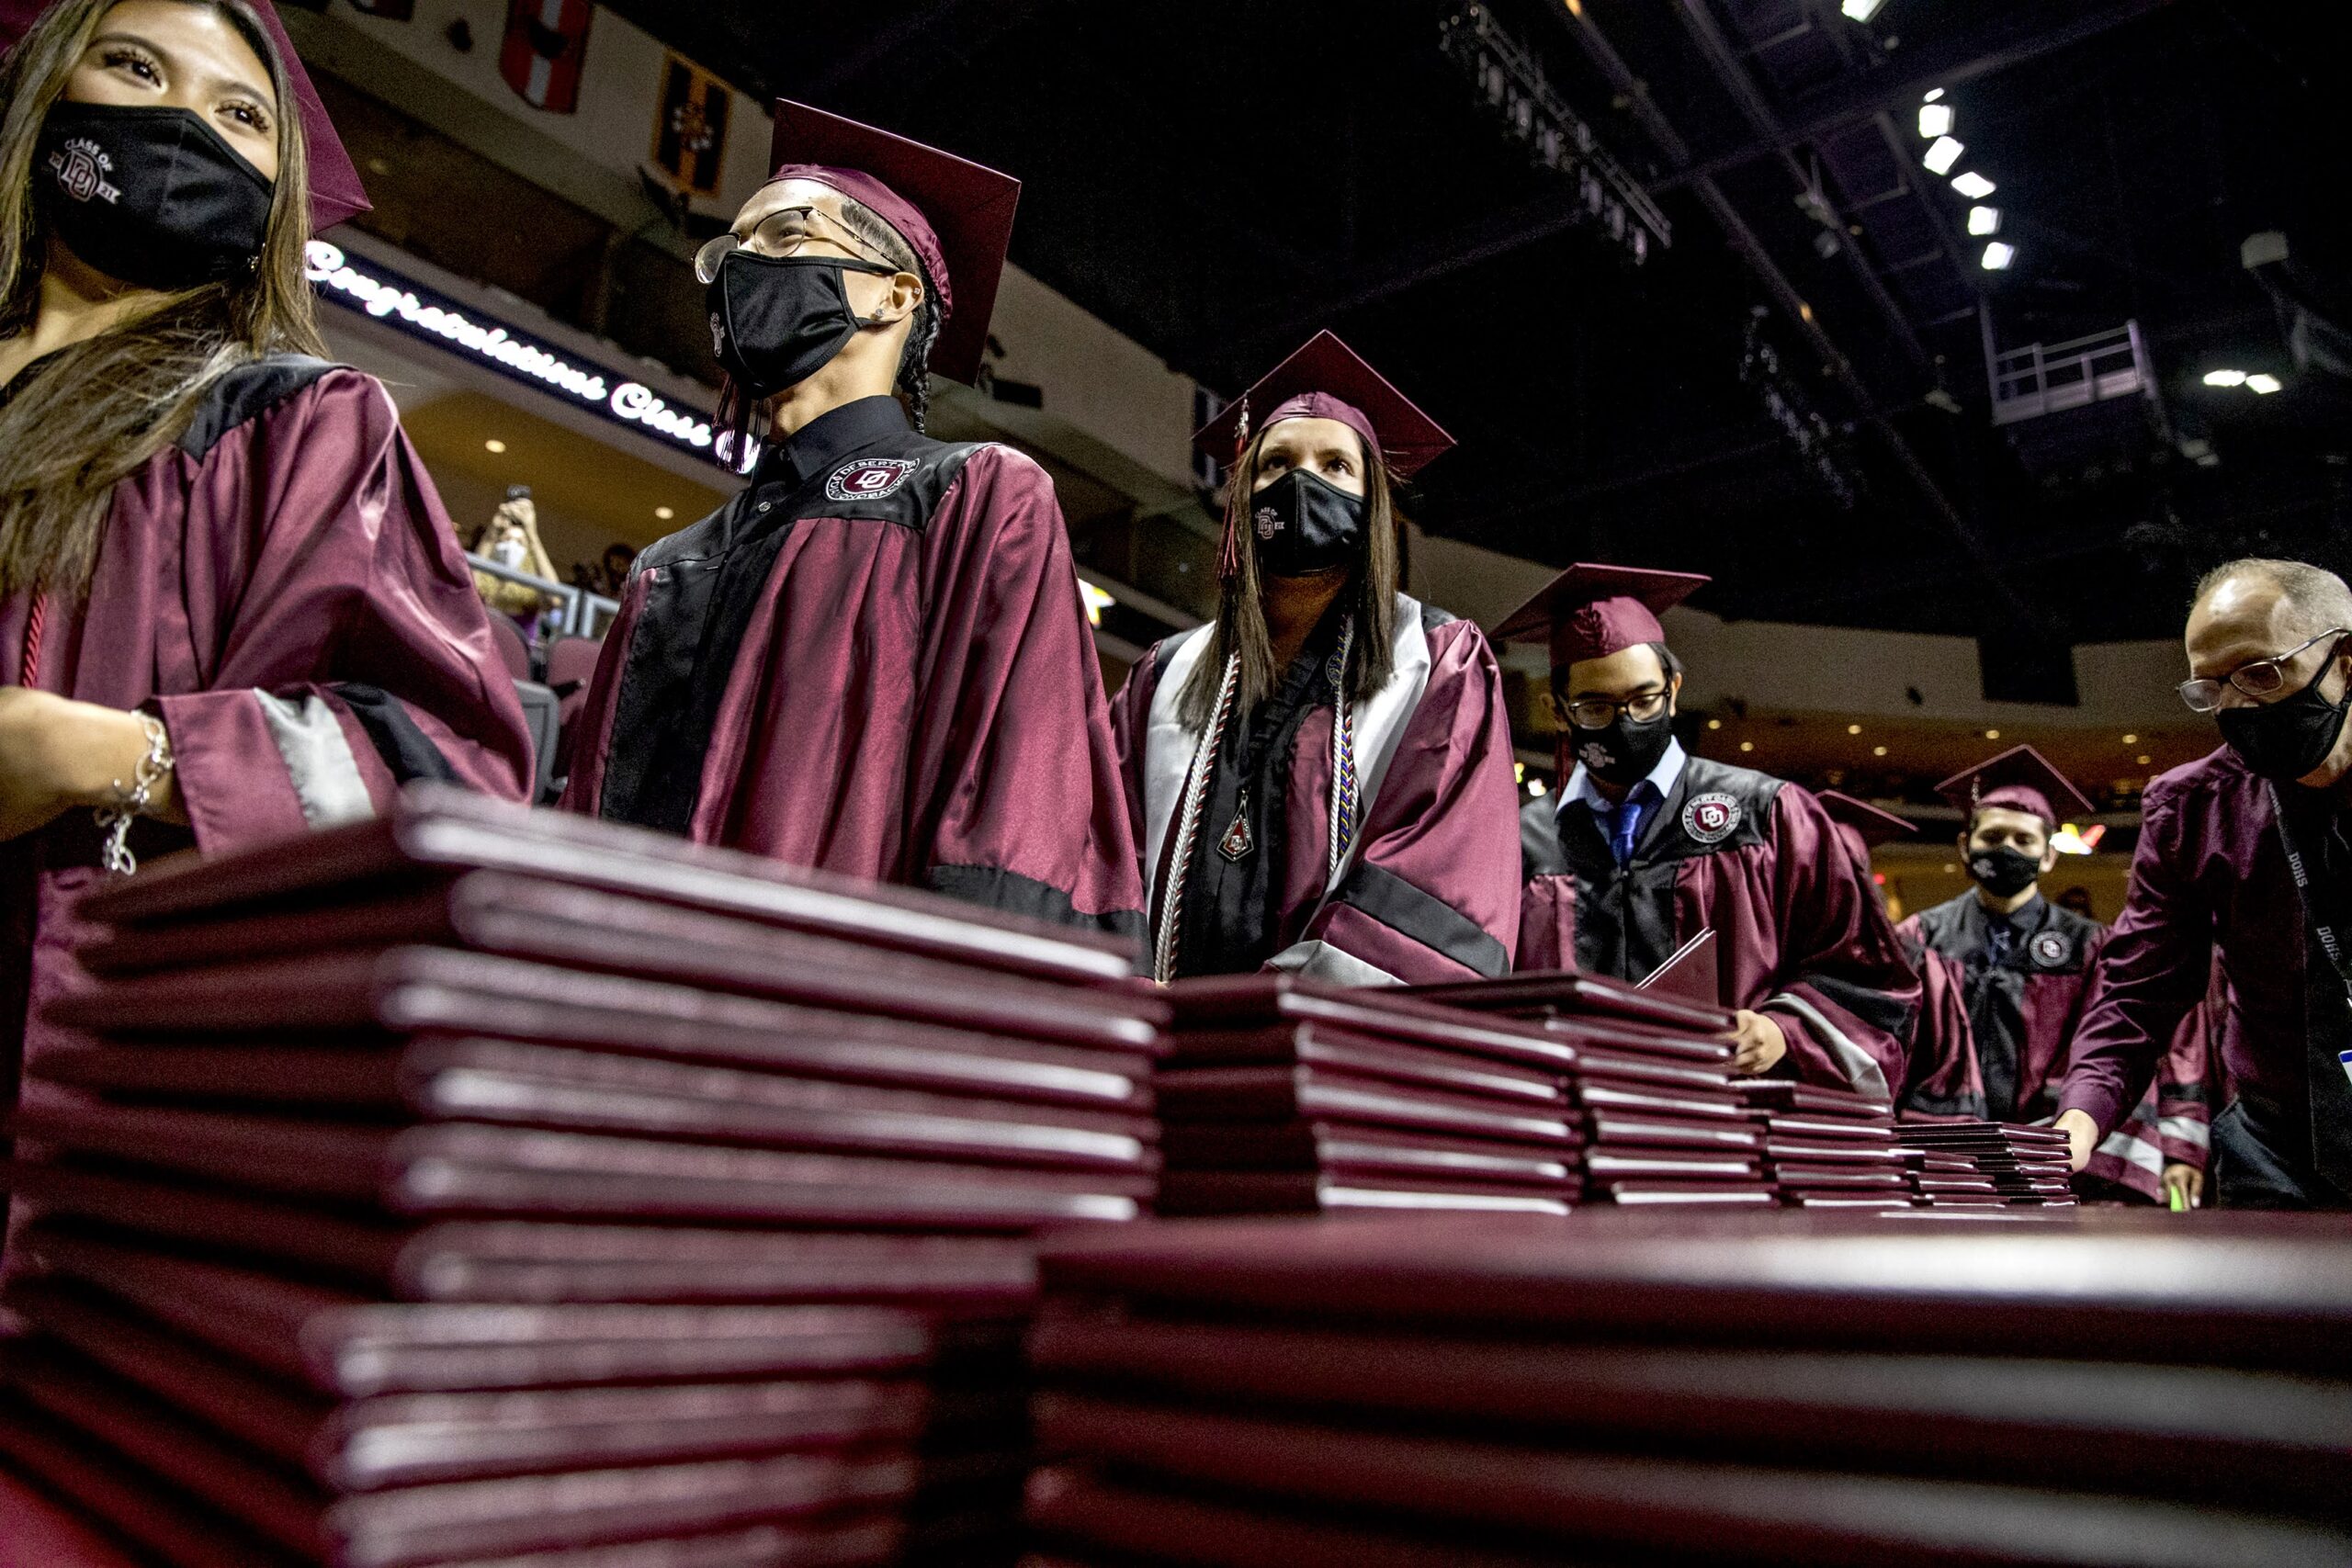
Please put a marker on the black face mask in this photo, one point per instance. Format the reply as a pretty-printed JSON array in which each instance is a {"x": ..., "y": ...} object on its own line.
[
  {"x": 152, "y": 196},
  {"x": 2004, "y": 873},
  {"x": 776, "y": 320},
  {"x": 1306, "y": 525},
  {"x": 2283, "y": 740},
  {"x": 1625, "y": 752}
]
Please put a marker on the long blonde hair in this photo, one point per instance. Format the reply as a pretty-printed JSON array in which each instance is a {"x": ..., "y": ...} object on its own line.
[
  {"x": 1371, "y": 599},
  {"x": 103, "y": 407}
]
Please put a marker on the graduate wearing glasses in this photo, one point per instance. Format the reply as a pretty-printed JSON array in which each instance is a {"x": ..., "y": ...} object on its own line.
[
  {"x": 1644, "y": 846},
  {"x": 873, "y": 660},
  {"x": 2245, "y": 852}
]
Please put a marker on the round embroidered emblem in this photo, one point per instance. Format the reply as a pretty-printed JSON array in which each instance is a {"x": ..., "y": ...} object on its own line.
[
  {"x": 2051, "y": 949},
  {"x": 1710, "y": 817},
  {"x": 868, "y": 479}
]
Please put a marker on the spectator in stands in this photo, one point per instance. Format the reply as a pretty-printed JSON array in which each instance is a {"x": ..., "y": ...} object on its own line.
[
  {"x": 231, "y": 605},
  {"x": 510, "y": 538}
]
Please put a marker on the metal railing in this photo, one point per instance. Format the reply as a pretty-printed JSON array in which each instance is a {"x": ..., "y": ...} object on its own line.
[
  {"x": 2046, "y": 377},
  {"x": 578, "y": 612}
]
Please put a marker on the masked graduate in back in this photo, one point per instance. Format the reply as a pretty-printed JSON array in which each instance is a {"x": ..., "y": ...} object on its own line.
[
  {"x": 1321, "y": 778},
  {"x": 2023, "y": 968},
  {"x": 232, "y": 606},
  {"x": 873, "y": 660},
  {"x": 1644, "y": 846}
]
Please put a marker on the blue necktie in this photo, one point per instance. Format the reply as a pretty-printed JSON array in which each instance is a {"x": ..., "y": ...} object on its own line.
[{"x": 1625, "y": 823}]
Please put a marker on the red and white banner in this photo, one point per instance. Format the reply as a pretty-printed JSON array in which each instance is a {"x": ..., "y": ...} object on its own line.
[{"x": 547, "y": 41}]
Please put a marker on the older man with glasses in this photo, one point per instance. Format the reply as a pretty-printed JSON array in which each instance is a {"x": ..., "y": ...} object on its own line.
[
  {"x": 2247, "y": 849},
  {"x": 1646, "y": 846}
]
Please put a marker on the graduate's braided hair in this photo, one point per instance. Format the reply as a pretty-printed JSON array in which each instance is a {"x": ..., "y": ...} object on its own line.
[{"x": 914, "y": 361}]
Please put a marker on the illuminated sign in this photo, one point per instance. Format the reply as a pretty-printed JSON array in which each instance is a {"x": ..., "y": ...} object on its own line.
[{"x": 360, "y": 285}]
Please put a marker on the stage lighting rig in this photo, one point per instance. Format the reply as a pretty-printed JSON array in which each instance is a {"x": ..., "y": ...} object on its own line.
[
  {"x": 1817, "y": 446},
  {"x": 1510, "y": 83}
]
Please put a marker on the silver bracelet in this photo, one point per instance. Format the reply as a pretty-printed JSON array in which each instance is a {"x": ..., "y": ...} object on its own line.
[{"x": 132, "y": 800}]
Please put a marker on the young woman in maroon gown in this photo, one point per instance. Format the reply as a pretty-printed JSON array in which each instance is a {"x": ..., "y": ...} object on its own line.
[
  {"x": 1321, "y": 778},
  {"x": 231, "y": 605}
]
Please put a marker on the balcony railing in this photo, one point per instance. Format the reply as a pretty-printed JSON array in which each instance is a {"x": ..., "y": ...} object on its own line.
[{"x": 2043, "y": 378}]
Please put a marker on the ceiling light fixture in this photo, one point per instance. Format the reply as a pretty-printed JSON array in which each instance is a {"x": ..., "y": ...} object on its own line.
[
  {"x": 1940, "y": 157},
  {"x": 2225, "y": 377},
  {"x": 1998, "y": 256},
  {"x": 665, "y": 512},
  {"x": 1935, "y": 119},
  {"x": 1992, "y": 735},
  {"x": 1974, "y": 186},
  {"x": 1860, "y": 10},
  {"x": 493, "y": 445},
  {"x": 1984, "y": 221},
  {"x": 1878, "y": 751},
  {"x": 1853, "y": 729},
  {"x": 2264, "y": 384},
  {"x": 1931, "y": 96}
]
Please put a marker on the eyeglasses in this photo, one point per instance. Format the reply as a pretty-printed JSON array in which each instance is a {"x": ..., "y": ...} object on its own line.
[
  {"x": 2261, "y": 678},
  {"x": 1598, "y": 713},
  {"x": 781, "y": 234}
]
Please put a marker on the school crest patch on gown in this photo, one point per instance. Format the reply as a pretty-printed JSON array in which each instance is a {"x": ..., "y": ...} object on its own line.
[
  {"x": 1710, "y": 819},
  {"x": 2051, "y": 949}
]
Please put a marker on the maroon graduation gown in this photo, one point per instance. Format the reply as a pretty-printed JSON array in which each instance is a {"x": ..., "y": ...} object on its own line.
[
  {"x": 282, "y": 587},
  {"x": 1799, "y": 931},
  {"x": 873, "y": 660},
  {"x": 1429, "y": 888},
  {"x": 2015, "y": 1019},
  {"x": 2211, "y": 875}
]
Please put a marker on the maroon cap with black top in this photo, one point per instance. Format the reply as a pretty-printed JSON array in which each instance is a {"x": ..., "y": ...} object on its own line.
[
  {"x": 955, "y": 215},
  {"x": 2019, "y": 779},
  {"x": 1593, "y": 610},
  {"x": 336, "y": 191},
  {"x": 1327, "y": 380}
]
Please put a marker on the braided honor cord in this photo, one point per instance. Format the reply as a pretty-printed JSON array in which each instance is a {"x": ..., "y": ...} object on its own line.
[
  {"x": 1343, "y": 755},
  {"x": 1188, "y": 826}
]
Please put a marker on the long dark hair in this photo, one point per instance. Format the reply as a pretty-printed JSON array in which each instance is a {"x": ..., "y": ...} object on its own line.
[
  {"x": 1370, "y": 598},
  {"x": 103, "y": 406}
]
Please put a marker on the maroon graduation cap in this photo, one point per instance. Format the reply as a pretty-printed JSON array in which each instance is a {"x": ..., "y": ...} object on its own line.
[
  {"x": 2020, "y": 779},
  {"x": 955, "y": 215},
  {"x": 336, "y": 191},
  {"x": 1327, "y": 380},
  {"x": 1593, "y": 610},
  {"x": 1872, "y": 826}
]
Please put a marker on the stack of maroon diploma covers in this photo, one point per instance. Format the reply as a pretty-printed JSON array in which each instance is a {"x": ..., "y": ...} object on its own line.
[
  {"x": 1656, "y": 1386},
  {"x": 475, "y": 1186},
  {"x": 1278, "y": 1095},
  {"x": 2006, "y": 1166},
  {"x": 1663, "y": 1121},
  {"x": 1830, "y": 1148}
]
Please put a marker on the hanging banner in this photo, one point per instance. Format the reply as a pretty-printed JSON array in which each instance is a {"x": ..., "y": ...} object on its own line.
[
  {"x": 547, "y": 42},
  {"x": 690, "y": 126}
]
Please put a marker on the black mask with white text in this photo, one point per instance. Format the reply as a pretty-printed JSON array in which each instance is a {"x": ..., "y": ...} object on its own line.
[
  {"x": 1624, "y": 751},
  {"x": 1306, "y": 525},
  {"x": 2283, "y": 740},
  {"x": 776, "y": 320},
  {"x": 152, "y": 196},
  {"x": 2004, "y": 873}
]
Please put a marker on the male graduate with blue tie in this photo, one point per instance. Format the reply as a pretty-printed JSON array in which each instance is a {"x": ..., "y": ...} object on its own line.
[{"x": 1644, "y": 846}]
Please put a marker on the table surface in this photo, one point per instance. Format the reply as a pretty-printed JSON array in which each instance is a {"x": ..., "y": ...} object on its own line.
[{"x": 37, "y": 1533}]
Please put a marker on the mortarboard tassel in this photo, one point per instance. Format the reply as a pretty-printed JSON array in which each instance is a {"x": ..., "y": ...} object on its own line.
[{"x": 1229, "y": 556}]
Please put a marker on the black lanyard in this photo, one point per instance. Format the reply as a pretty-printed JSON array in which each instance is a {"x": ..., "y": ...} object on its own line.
[{"x": 2330, "y": 944}]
